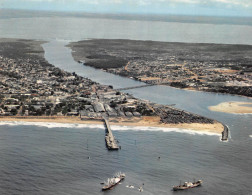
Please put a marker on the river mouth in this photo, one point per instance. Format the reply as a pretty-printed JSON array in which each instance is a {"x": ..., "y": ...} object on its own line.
[{"x": 194, "y": 101}]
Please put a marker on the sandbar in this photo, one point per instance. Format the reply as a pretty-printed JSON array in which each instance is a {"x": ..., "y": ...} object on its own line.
[{"x": 233, "y": 107}]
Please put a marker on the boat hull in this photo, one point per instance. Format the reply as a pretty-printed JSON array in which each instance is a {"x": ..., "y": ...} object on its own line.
[
  {"x": 109, "y": 187},
  {"x": 185, "y": 187}
]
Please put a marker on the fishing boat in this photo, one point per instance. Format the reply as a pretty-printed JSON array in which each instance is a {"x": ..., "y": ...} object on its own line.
[
  {"x": 111, "y": 182},
  {"x": 187, "y": 185}
]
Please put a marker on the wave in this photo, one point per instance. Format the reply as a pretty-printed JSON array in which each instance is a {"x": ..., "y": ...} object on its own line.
[
  {"x": 113, "y": 127},
  {"x": 50, "y": 124},
  {"x": 178, "y": 130},
  {"x": 250, "y": 136}
]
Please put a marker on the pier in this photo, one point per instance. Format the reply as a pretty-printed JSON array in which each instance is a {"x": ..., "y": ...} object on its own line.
[{"x": 110, "y": 140}]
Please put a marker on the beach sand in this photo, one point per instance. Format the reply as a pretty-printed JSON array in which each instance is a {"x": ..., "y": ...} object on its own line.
[
  {"x": 233, "y": 107},
  {"x": 134, "y": 121}
]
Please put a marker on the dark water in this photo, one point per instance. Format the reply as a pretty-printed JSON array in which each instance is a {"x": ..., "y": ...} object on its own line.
[
  {"x": 41, "y": 160},
  {"x": 53, "y": 158}
]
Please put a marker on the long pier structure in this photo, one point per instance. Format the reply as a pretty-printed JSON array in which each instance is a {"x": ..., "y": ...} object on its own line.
[{"x": 110, "y": 140}]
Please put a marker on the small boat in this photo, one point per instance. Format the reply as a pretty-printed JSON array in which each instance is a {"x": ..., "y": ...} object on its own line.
[
  {"x": 130, "y": 186},
  {"x": 113, "y": 181},
  {"x": 187, "y": 185}
]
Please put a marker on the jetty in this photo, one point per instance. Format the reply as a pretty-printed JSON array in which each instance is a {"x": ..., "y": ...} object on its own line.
[
  {"x": 224, "y": 133},
  {"x": 110, "y": 140}
]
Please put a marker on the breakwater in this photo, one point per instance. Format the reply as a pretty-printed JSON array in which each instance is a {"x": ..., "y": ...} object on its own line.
[{"x": 224, "y": 133}]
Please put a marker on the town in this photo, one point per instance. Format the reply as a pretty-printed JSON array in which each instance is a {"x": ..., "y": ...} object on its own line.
[
  {"x": 30, "y": 86},
  {"x": 204, "y": 67}
]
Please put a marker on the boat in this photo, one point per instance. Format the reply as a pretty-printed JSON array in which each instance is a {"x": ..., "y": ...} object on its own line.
[
  {"x": 187, "y": 185},
  {"x": 111, "y": 182}
]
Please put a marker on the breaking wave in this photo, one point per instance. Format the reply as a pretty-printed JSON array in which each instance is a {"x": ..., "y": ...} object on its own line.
[
  {"x": 178, "y": 130},
  {"x": 113, "y": 127},
  {"x": 51, "y": 125}
]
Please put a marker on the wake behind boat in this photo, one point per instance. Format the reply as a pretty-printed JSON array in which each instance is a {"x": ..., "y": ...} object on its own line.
[
  {"x": 113, "y": 181},
  {"x": 187, "y": 185}
]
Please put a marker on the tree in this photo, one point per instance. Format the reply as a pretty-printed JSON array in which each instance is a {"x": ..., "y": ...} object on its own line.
[{"x": 13, "y": 111}]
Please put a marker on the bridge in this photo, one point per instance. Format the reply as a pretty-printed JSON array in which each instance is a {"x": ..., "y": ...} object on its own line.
[
  {"x": 134, "y": 87},
  {"x": 140, "y": 86}
]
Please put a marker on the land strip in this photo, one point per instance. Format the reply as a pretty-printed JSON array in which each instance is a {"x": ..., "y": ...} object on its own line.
[
  {"x": 204, "y": 67},
  {"x": 31, "y": 89}
]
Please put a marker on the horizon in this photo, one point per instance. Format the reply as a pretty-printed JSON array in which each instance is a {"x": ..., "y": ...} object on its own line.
[
  {"x": 219, "y": 8},
  {"x": 118, "y": 14},
  {"x": 234, "y": 20}
]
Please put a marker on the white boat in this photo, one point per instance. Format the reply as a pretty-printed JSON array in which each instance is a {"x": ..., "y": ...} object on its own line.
[{"x": 113, "y": 181}]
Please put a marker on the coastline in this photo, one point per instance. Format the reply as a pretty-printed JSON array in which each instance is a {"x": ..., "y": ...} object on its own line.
[
  {"x": 140, "y": 122},
  {"x": 165, "y": 117}
]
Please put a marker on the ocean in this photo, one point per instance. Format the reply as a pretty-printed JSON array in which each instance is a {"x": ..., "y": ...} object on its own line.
[
  {"x": 79, "y": 28},
  {"x": 50, "y": 158}
]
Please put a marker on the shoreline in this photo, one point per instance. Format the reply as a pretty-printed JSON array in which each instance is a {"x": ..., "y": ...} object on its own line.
[
  {"x": 140, "y": 122},
  {"x": 165, "y": 117}
]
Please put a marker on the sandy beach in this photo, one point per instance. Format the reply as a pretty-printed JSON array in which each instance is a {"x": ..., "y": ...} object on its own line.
[
  {"x": 233, "y": 107},
  {"x": 144, "y": 121}
]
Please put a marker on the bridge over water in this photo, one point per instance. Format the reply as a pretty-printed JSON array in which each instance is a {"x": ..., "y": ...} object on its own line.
[
  {"x": 139, "y": 86},
  {"x": 133, "y": 87}
]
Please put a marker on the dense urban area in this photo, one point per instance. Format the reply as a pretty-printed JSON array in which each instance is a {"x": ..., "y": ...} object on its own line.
[
  {"x": 30, "y": 86},
  {"x": 205, "y": 67}
]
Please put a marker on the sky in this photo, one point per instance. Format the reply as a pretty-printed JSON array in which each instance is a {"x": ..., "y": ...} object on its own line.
[{"x": 180, "y": 7}]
